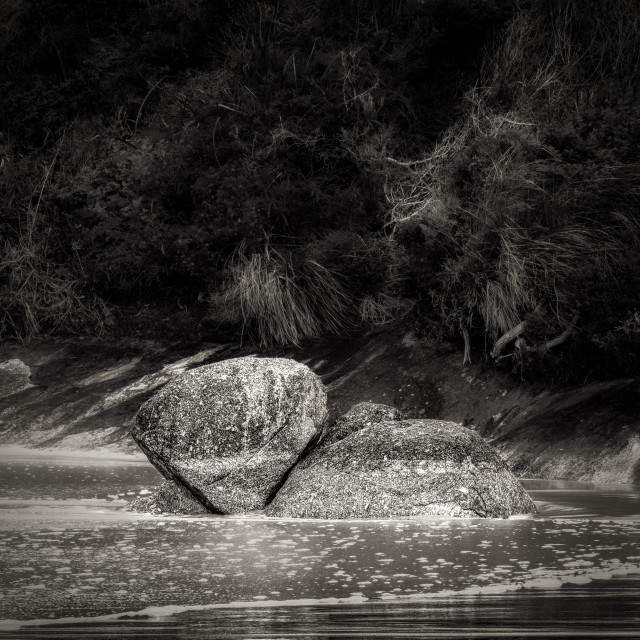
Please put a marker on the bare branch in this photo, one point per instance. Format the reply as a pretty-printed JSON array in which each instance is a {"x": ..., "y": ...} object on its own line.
[
  {"x": 506, "y": 338},
  {"x": 467, "y": 346},
  {"x": 562, "y": 337},
  {"x": 516, "y": 331},
  {"x": 153, "y": 87}
]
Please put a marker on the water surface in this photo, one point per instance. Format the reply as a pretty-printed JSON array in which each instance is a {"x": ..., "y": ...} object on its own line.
[{"x": 73, "y": 560}]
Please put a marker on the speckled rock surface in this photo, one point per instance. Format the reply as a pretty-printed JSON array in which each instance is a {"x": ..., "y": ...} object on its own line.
[
  {"x": 14, "y": 377},
  {"x": 230, "y": 431},
  {"x": 401, "y": 469},
  {"x": 168, "y": 498},
  {"x": 361, "y": 415}
]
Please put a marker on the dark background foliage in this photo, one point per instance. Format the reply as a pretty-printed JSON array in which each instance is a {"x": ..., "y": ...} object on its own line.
[{"x": 202, "y": 169}]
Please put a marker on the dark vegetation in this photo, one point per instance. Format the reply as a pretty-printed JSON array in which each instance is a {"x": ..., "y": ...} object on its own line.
[{"x": 288, "y": 170}]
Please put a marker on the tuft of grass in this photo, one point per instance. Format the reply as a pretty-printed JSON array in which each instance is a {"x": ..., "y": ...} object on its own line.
[
  {"x": 278, "y": 303},
  {"x": 383, "y": 309},
  {"x": 37, "y": 295}
]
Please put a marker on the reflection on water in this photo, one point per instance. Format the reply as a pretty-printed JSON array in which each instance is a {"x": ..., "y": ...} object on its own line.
[
  {"x": 78, "y": 478},
  {"x": 564, "y": 613},
  {"x": 561, "y": 499},
  {"x": 67, "y": 550}
]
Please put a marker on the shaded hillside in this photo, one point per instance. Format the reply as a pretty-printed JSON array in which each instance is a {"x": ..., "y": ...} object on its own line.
[{"x": 84, "y": 394}]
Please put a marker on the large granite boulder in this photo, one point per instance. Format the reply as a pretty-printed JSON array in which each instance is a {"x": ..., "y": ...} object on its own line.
[
  {"x": 230, "y": 431},
  {"x": 401, "y": 469}
]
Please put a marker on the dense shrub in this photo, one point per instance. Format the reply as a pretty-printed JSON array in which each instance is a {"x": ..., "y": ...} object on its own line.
[
  {"x": 38, "y": 295},
  {"x": 530, "y": 201}
]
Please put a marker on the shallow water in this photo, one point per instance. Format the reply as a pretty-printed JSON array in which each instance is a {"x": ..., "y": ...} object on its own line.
[{"x": 69, "y": 555}]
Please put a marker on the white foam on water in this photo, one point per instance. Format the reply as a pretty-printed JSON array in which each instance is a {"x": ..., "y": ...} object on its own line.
[{"x": 542, "y": 579}]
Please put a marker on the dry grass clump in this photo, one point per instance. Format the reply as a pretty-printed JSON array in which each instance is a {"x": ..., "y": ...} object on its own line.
[
  {"x": 383, "y": 309},
  {"x": 279, "y": 304},
  {"x": 40, "y": 298},
  {"x": 37, "y": 295}
]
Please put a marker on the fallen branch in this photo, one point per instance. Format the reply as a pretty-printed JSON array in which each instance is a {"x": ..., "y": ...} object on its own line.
[
  {"x": 506, "y": 338},
  {"x": 562, "y": 337},
  {"x": 516, "y": 331},
  {"x": 467, "y": 347}
]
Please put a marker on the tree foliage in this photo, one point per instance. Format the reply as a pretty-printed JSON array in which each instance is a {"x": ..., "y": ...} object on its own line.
[
  {"x": 472, "y": 163},
  {"x": 190, "y": 128}
]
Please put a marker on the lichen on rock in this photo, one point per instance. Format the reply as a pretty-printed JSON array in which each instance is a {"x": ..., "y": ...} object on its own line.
[
  {"x": 230, "y": 431},
  {"x": 403, "y": 469}
]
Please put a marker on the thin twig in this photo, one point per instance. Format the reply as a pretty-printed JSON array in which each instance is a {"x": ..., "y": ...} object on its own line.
[{"x": 153, "y": 88}]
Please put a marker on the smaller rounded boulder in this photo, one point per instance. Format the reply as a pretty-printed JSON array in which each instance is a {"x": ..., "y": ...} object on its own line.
[
  {"x": 403, "y": 469},
  {"x": 168, "y": 498},
  {"x": 361, "y": 415},
  {"x": 230, "y": 431},
  {"x": 15, "y": 376}
]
